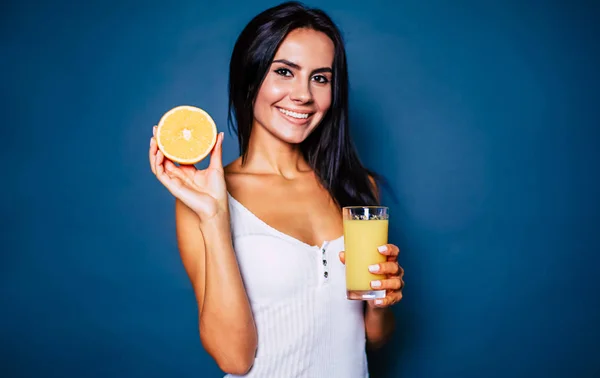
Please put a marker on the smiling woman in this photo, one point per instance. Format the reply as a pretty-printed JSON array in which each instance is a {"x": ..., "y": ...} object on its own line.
[
  {"x": 296, "y": 91},
  {"x": 261, "y": 238}
]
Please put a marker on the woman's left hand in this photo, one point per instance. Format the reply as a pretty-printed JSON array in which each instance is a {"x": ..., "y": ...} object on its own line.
[{"x": 393, "y": 284}]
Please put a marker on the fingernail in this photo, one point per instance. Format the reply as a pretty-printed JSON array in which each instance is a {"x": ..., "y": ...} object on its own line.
[
  {"x": 378, "y": 301},
  {"x": 373, "y": 268},
  {"x": 375, "y": 283},
  {"x": 382, "y": 249}
]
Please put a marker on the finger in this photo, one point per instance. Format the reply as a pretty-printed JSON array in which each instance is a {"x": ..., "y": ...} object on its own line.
[
  {"x": 159, "y": 158},
  {"x": 159, "y": 169},
  {"x": 172, "y": 183},
  {"x": 170, "y": 166},
  {"x": 389, "y": 250},
  {"x": 342, "y": 257},
  {"x": 175, "y": 186},
  {"x": 176, "y": 172},
  {"x": 216, "y": 161},
  {"x": 188, "y": 170},
  {"x": 394, "y": 283},
  {"x": 152, "y": 154},
  {"x": 388, "y": 267},
  {"x": 152, "y": 150},
  {"x": 389, "y": 300},
  {"x": 185, "y": 194}
]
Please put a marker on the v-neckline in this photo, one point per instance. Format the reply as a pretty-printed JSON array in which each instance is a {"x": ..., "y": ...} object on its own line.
[{"x": 281, "y": 234}]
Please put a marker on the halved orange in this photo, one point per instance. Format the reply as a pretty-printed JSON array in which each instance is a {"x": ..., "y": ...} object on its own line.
[{"x": 186, "y": 134}]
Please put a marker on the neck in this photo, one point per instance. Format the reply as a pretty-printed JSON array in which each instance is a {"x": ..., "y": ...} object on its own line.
[{"x": 268, "y": 154}]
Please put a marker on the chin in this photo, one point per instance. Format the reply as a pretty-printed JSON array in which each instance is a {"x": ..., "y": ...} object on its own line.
[
  {"x": 294, "y": 134},
  {"x": 291, "y": 138}
]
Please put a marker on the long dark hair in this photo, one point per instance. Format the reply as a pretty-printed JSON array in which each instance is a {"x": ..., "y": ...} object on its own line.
[{"x": 328, "y": 149}]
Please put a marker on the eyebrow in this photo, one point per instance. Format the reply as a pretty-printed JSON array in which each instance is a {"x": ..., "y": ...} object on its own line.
[{"x": 297, "y": 67}]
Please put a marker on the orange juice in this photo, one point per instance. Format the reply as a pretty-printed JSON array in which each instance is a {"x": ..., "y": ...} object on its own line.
[{"x": 361, "y": 239}]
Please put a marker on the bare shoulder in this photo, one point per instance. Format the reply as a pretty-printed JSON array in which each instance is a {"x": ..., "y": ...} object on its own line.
[{"x": 236, "y": 178}]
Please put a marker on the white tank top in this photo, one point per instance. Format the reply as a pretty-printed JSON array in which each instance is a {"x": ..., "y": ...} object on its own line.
[{"x": 306, "y": 326}]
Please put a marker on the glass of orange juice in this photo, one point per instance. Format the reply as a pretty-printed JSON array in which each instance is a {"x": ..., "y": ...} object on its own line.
[{"x": 365, "y": 229}]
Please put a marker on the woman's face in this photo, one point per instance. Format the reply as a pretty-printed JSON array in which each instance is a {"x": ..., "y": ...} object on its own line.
[{"x": 296, "y": 92}]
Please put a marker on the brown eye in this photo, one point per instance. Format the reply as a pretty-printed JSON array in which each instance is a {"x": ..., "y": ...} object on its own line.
[
  {"x": 320, "y": 79},
  {"x": 283, "y": 72}
]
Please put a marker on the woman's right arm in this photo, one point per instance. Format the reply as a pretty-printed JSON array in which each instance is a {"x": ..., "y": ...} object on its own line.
[
  {"x": 226, "y": 324},
  {"x": 227, "y": 328}
]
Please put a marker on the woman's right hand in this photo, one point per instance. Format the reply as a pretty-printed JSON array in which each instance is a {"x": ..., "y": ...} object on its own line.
[{"x": 203, "y": 191}]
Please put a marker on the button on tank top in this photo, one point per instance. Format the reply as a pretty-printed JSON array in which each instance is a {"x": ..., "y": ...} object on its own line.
[{"x": 306, "y": 326}]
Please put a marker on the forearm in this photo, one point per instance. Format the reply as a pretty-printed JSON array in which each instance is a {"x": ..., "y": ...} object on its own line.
[
  {"x": 226, "y": 323},
  {"x": 379, "y": 325}
]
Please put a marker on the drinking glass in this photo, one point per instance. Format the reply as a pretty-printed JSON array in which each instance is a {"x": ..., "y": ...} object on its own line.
[{"x": 365, "y": 229}]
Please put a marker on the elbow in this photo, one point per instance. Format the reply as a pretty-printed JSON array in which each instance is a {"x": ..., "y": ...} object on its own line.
[
  {"x": 235, "y": 368},
  {"x": 233, "y": 350},
  {"x": 232, "y": 360},
  {"x": 236, "y": 365}
]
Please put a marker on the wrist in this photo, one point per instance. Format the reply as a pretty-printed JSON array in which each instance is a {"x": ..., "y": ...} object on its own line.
[
  {"x": 219, "y": 219},
  {"x": 377, "y": 311},
  {"x": 218, "y": 226}
]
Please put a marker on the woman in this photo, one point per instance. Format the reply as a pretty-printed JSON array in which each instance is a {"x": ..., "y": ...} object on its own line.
[{"x": 260, "y": 238}]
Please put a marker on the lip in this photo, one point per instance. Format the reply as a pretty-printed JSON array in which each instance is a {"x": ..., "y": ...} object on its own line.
[{"x": 296, "y": 121}]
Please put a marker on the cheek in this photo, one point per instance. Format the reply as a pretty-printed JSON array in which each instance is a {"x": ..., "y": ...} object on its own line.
[
  {"x": 270, "y": 92},
  {"x": 323, "y": 99}
]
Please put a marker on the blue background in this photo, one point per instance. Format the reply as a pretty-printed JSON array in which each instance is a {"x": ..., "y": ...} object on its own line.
[{"x": 482, "y": 115}]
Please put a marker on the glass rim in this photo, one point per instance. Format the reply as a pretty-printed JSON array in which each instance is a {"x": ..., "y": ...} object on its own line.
[{"x": 365, "y": 207}]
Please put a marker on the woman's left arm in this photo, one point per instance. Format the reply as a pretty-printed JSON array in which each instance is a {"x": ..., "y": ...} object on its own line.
[
  {"x": 379, "y": 318},
  {"x": 379, "y": 325}
]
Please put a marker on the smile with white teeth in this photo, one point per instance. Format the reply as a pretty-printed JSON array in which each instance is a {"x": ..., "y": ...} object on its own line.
[{"x": 294, "y": 114}]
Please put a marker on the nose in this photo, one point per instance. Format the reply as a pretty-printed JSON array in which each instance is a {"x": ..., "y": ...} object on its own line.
[{"x": 301, "y": 92}]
